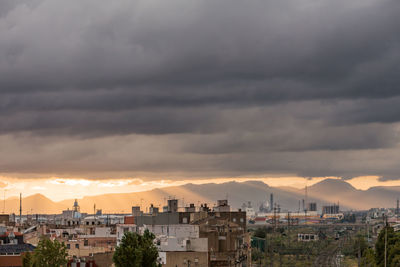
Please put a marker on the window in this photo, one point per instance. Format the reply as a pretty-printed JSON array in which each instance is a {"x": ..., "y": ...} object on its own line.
[
  {"x": 76, "y": 245},
  {"x": 68, "y": 246}
]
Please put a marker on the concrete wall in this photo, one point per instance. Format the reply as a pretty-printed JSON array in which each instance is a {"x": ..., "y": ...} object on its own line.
[
  {"x": 183, "y": 244},
  {"x": 122, "y": 229},
  {"x": 185, "y": 259},
  {"x": 159, "y": 219},
  {"x": 103, "y": 259},
  {"x": 177, "y": 230}
]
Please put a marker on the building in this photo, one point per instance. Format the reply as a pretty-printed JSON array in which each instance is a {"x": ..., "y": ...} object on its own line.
[
  {"x": 11, "y": 254},
  {"x": 205, "y": 237},
  {"x": 153, "y": 210},
  {"x": 312, "y": 206},
  {"x": 228, "y": 242},
  {"x": 330, "y": 209},
  {"x": 191, "y": 208},
  {"x": 124, "y": 228},
  {"x": 11, "y": 237},
  {"x": 12, "y": 247},
  {"x": 136, "y": 211},
  {"x": 84, "y": 242},
  {"x": 222, "y": 205},
  {"x": 4, "y": 219},
  {"x": 307, "y": 237},
  {"x": 172, "y": 205}
]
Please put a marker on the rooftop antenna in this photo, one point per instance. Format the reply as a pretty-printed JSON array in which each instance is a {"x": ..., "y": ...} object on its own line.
[{"x": 20, "y": 208}]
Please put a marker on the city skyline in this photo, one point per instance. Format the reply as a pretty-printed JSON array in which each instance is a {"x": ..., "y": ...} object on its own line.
[
  {"x": 182, "y": 91},
  {"x": 199, "y": 133}
]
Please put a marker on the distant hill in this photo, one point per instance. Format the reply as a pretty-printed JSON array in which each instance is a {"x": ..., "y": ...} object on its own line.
[
  {"x": 339, "y": 191},
  {"x": 325, "y": 192},
  {"x": 37, "y": 203}
]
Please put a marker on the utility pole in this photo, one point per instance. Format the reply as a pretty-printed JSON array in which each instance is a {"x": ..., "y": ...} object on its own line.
[
  {"x": 385, "y": 223},
  {"x": 385, "y": 246},
  {"x": 272, "y": 254},
  {"x": 266, "y": 248},
  {"x": 20, "y": 208},
  {"x": 359, "y": 253},
  {"x": 288, "y": 227}
]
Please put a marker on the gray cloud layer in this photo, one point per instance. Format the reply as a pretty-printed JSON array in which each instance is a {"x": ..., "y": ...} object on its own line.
[{"x": 200, "y": 88}]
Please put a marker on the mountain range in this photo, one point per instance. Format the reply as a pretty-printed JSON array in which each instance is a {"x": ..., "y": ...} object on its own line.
[{"x": 325, "y": 192}]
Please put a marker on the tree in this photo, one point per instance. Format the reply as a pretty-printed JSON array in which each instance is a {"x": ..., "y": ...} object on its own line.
[
  {"x": 136, "y": 251},
  {"x": 260, "y": 232},
  {"x": 393, "y": 255},
  {"x": 28, "y": 260},
  {"x": 393, "y": 246},
  {"x": 49, "y": 254},
  {"x": 368, "y": 258}
]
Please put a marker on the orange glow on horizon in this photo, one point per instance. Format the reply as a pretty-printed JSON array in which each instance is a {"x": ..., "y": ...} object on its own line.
[{"x": 59, "y": 189}]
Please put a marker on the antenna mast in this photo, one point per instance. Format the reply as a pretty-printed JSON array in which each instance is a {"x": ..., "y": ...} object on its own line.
[{"x": 20, "y": 208}]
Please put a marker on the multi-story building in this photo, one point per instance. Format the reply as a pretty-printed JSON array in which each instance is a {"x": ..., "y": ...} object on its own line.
[
  {"x": 205, "y": 237},
  {"x": 12, "y": 247}
]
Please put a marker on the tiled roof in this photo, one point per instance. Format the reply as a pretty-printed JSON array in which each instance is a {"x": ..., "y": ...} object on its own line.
[{"x": 15, "y": 248}]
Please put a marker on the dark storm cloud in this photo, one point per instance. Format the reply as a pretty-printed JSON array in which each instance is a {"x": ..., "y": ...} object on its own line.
[{"x": 211, "y": 88}]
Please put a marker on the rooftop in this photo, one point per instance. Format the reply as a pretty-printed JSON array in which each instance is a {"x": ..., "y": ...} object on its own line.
[{"x": 15, "y": 248}]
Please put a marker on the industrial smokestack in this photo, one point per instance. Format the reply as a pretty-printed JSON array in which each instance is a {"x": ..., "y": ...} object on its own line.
[{"x": 271, "y": 202}]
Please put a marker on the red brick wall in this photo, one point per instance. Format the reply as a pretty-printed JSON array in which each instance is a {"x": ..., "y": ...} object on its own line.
[{"x": 7, "y": 261}]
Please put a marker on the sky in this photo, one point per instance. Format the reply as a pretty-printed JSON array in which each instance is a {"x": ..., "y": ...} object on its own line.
[{"x": 177, "y": 91}]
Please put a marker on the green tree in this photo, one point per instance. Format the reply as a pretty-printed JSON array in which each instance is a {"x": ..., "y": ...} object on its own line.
[
  {"x": 359, "y": 246},
  {"x": 393, "y": 243},
  {"x": 393, "y": 254},
  {"x": 368, "y": 258},
  {"x": 260, "y": 232},
  {"x": 28, "y": 260},
  {"x": 136, "y": 251},
  {"x": 50, "y": 254}
]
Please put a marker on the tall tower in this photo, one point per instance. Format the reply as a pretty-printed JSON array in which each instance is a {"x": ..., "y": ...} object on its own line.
[
  {"x": 305, "y": 199},
  {"x": 76, "y": 207},
  {"x": 20, "y": 208},
  {"x": 271, "y": 202},
  {"x": 397, "y": 207}
]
